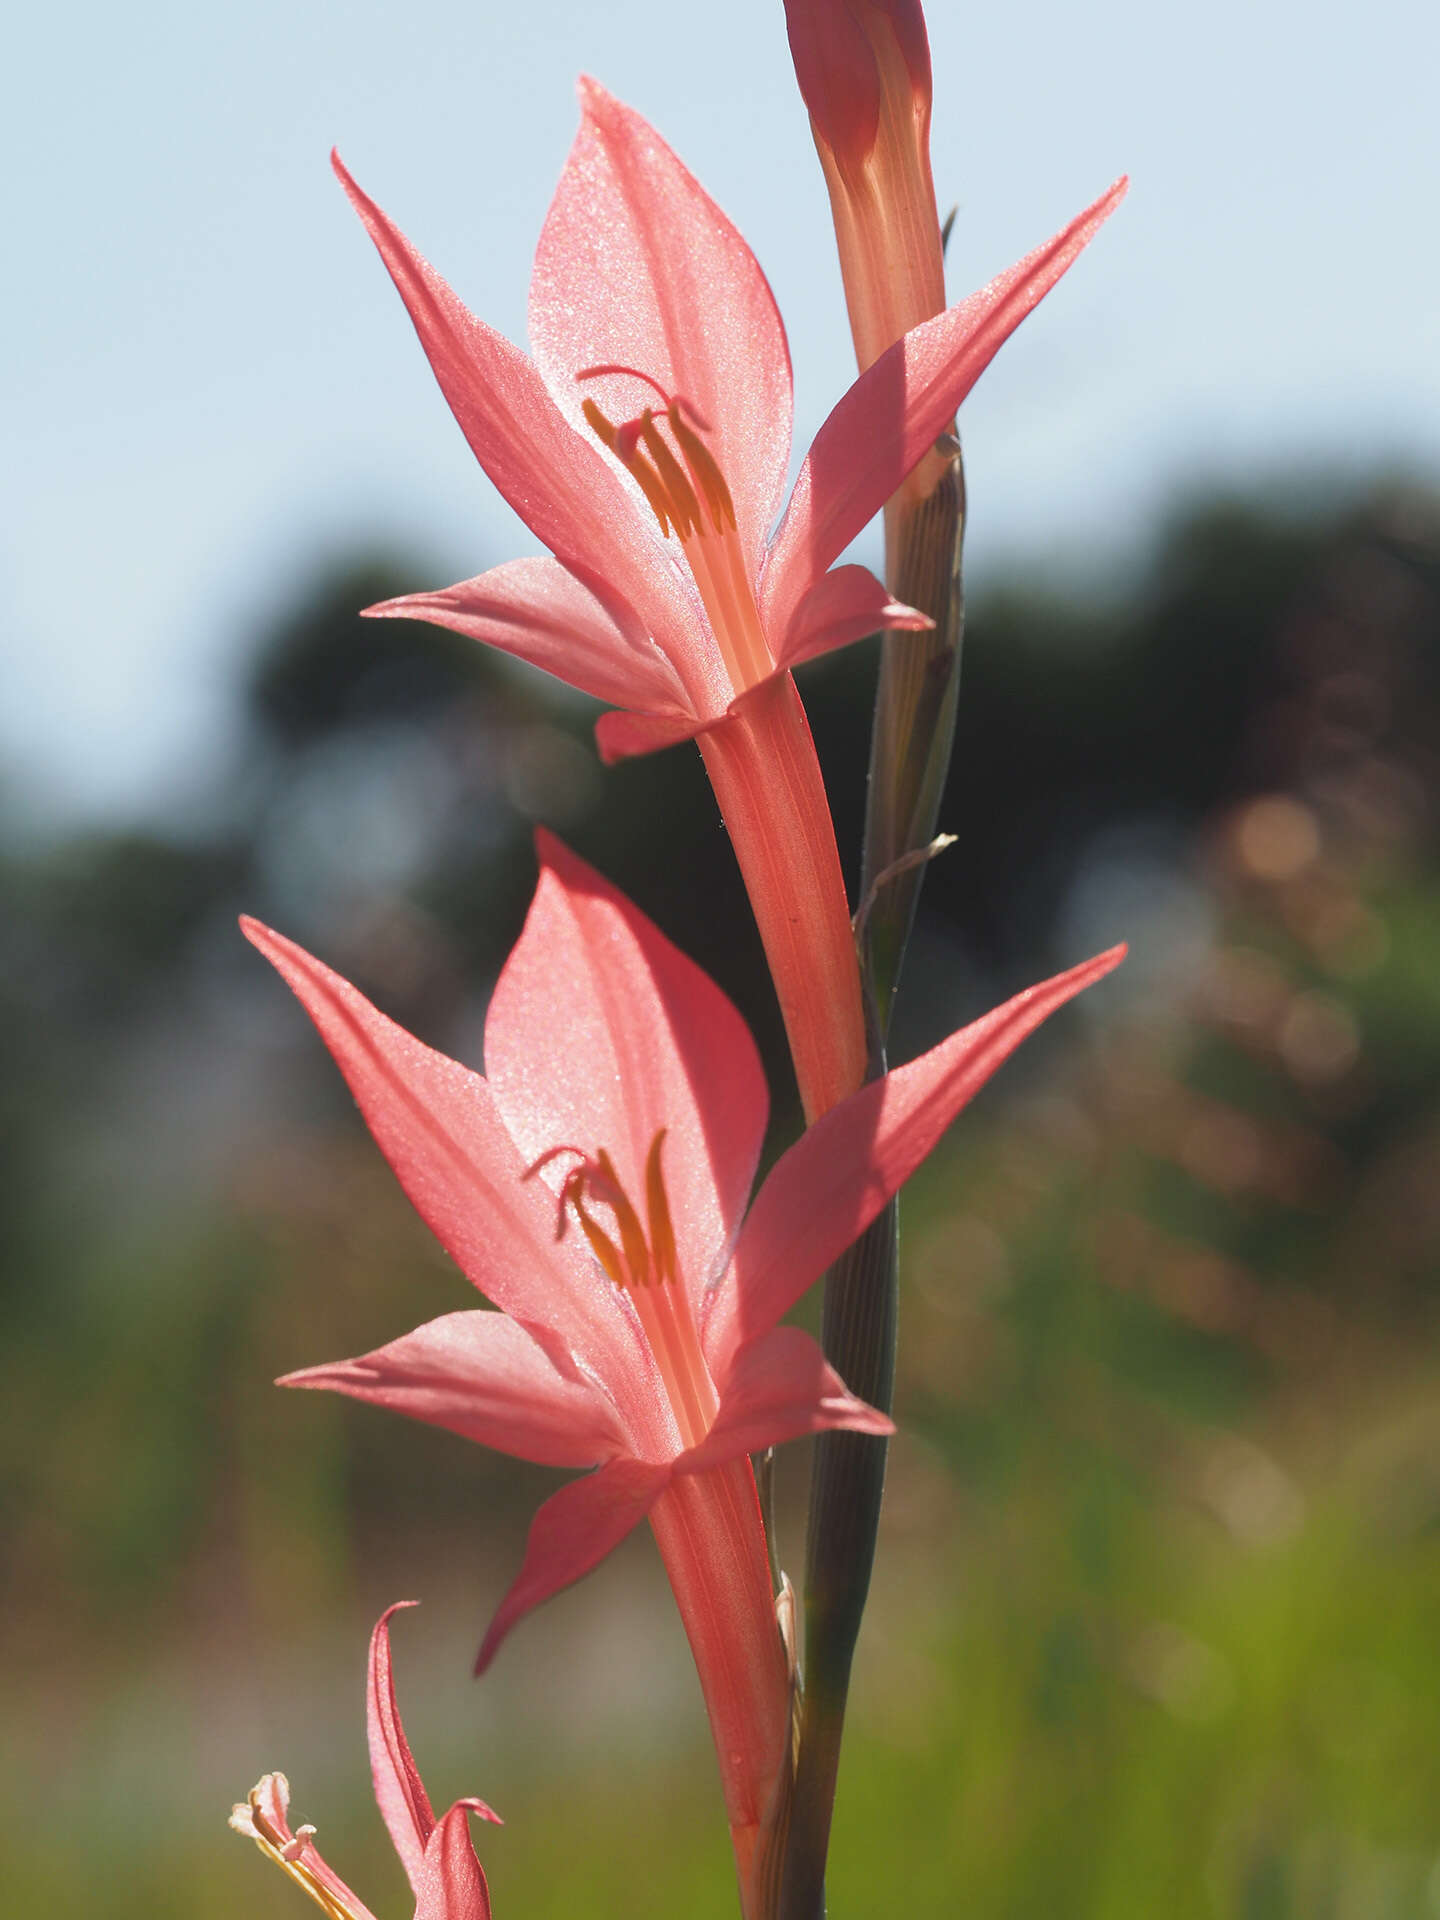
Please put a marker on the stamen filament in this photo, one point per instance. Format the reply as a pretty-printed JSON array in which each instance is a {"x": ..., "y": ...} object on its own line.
[
  {"x": 648, "y": 1270},
  {"x": 707, "y": 532}
]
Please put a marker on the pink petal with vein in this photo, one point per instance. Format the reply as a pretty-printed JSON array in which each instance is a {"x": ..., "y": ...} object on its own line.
[
  {"x": 537, "y": 611},
  {"x": 399, "y": 1790},
  {"x": 894, "y": 412},
  {"x": 572, "y": 1533},
  {"x": 781, "y": 1387},
  {"x": 451, "y": 1885},
  {"x": 556, "y": 480},
  {"x": 437, "y": 1125},
  {"x": 844, "y": 605},
  {"x": 637, "y": 265},
  {"x": 648, "y": 1041},
  {"x": 481, "y": 1375},
  {"x": 827, "y": 1189}
]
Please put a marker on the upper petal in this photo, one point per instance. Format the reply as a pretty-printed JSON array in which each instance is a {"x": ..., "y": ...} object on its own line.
[
  {"x": 601, "y": 1033},
  {"x": 451, "y": 1885},
  {"x": 556, "y": 480},
  {"x": 539, "y": 612},
  {"x": 481, "y": 1375},
  {"x": 826, "y": 1190},
  {"x": 572, "y": 1533},
  {"x": 438, "y": 1126},
  {"x": 637, "y": 265},
  {"x": 894, "y": 412},
  {"x": 399, "y": 1790}
]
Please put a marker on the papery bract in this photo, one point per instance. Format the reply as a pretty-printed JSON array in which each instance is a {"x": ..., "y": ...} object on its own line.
[{"x": 437, "y": 1855}]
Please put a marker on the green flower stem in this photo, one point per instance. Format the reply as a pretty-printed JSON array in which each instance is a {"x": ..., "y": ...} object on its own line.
[
  {"x": 914, "y": 721},
  {"x": 846, "y": 1486},
  {"x": 909, "y": 759}
]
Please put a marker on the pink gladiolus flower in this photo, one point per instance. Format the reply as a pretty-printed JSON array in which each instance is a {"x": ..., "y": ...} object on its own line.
[
  {"x": 647, "y": 442},
  {"x": 593, "y": 1185},
  {"x": 646, "y": 445},
  {"x": 437, "y": 1855}
]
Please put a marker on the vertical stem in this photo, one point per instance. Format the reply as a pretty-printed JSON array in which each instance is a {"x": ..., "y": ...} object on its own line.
[
  {"x": 847, "y": 1482},
  {"x": 914, "y": 719},
  {"x": 763, "y": 767},
  {"x": 910, "y": 755}
]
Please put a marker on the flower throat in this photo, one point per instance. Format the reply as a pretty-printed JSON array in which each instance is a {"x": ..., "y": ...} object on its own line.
[
  {"x": 688, "y": 495},
  {"x": 645, "y": 1266}
]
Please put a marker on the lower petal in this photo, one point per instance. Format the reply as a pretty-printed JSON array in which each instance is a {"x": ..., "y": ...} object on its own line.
[
  {"x": 538, "y": 611},
  {"x": 625, "y": 736},
  {"x": 572, "y": 1533},
  {"x": 781, "y": 1387},
  {"x": 481, "y": 1375}
]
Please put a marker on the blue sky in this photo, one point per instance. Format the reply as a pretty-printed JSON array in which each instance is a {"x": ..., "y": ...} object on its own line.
[{"x": 208, "y": 382}]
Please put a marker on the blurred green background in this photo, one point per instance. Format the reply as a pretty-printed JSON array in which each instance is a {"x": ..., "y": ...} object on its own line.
[{"x": 1155, "y": 1626}]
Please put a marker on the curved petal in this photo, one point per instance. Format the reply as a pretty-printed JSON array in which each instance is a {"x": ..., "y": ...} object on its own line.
[
  {"x": 572, "y": 1533},
  {"x": 556, "y": 480},
  {"x": 895, "y": 411},
  {"x": 539, "y": 612},
  {"x": 827, "y": 1189},
  {"x": 481, "y": 1375},
  {"x": 845, "y": 604},
  {"x": 781, "y": 1387},
  {"x": 451, "y": 1884},
  {"x": 601, "y": 1033},
  {"x": 437, "y": 1125},
  {"x": 399, "y": 1790},
  {"x": 637, "y": 265}
]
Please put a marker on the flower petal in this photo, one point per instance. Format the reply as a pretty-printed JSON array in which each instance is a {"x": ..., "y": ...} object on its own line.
[
  {"x": 556, "y": 480},
  {"x": 399, "y": 1790},
  {"x": 648, "y": 1041},
  {"x": 781, "y": 1387},
  {"x": 572, "y": 1533},
  {"x": 452, "y": 1885},
  {"x": 894, "y": 412},
  {"x": 826, "y": 1190},
  {"x": 481, "y": 1375},
  {"x": 438, "y": 1126},
  {"x": 845, "y": 604},
  {"x": 539, "y": 612},
  {"x": 623, "y": 736},
  {"x": 638, "y": 266}
]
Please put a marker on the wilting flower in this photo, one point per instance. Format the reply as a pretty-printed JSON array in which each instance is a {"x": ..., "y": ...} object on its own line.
[
  {"x": 646, "y": 445},
  {"x": 593, "y": 1185},
  {"x": 437, "y": 1856},
  {"x": 864, "y": 73}
]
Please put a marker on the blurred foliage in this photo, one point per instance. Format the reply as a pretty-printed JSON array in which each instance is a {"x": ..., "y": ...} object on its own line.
[{"x": 1154, "y": 1623}]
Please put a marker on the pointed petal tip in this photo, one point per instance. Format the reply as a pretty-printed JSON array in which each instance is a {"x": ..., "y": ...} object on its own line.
[
  {"x": 481, "y": 1809},
  {"x": 266, "y": 940},
  {"x": 395, "y": 1606}
]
